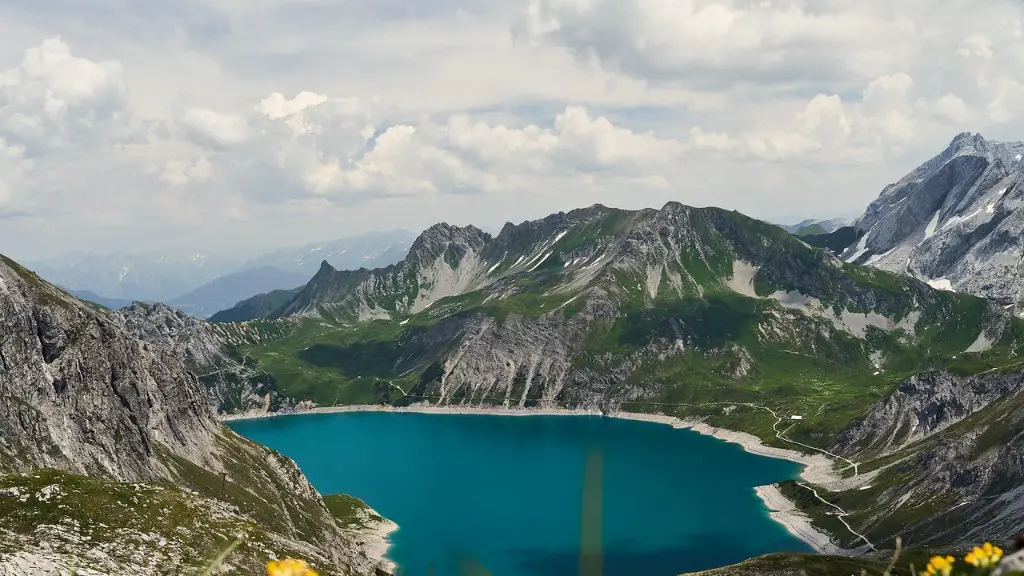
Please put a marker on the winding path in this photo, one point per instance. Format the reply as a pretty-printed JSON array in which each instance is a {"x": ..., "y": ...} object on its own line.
[{"x": 841, "y": 514}]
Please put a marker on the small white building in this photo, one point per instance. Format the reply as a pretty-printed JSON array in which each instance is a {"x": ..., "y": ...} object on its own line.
[{"x": 796, "y": 417}]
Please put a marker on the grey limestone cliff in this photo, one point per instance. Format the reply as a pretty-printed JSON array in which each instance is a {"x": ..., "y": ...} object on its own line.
[
  {"x": 233, "y": 382},
  {"x": 81, "y": 395},
  {"x": 956, "y": 222},
  {"x": 943, "y": 453}
]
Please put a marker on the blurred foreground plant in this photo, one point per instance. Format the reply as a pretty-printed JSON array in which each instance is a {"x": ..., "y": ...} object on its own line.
[
  {"x": 984, "y": 560},
  {"x": 289, "y": 567}
]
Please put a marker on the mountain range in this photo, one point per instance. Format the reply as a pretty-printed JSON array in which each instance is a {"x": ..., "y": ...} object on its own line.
[
  {"x": 149, "y": 277},
  {"x": 811, "y": 226},
  {"x": 914, "y": 389},
  {"x": 202, "y": 284},
  {"x": 684, "y": 310}
]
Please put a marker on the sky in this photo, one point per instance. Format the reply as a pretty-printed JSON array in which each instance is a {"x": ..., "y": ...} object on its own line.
[{"x": 130, "y": 126}]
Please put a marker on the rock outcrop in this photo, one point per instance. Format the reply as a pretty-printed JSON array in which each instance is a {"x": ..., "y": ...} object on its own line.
[
  {"x": 80, "y": 394},
  {"x": 233, "y": 383},
  {"x": 945, "y": 459},
  {"x": 956, "y": 222}
]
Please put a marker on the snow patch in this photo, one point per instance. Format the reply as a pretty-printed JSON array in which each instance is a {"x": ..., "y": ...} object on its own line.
[
  {"x": 403, "y": 322},
  {"x": 940, "y": 284},
  {"x": 498, "y": 263},
  {"x": 862, "y": 247},
  {"x": 878, "y": 257},
  {"x": 1001, "y": 192},
  {"x": 930, "y": 230},
  {"x": 566, "y": 303},
  {"x": 982, "y": 344},
  {"x": 991, "y": 208},
  {"x": 594, "y": 263},
  {"x": 540, "y": 262},
  {"x": 958, "y": 219}
]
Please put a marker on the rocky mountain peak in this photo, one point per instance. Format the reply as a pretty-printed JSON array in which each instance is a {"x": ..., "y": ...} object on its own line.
[
  {"x": 84, "y": 396},
  {"x": 966, "y": 140},
  {"x": 954, "y": 222},
  {"x": 443, "y": 238},
  {"x": 673, "y": 206}
]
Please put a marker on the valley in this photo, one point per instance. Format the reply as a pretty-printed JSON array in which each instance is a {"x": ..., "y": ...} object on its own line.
[
  {"x": 698, "y": 314},
  {"x": 904, "y": 395}
]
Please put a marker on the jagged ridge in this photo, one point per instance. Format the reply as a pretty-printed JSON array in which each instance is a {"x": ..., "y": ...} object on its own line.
[{"x": 956, "y": 222}]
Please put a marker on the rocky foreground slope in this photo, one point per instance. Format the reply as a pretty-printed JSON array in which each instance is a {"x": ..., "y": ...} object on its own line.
[
  {"x": 113, "y": 462},
  {"x": 956, "y": 222}
]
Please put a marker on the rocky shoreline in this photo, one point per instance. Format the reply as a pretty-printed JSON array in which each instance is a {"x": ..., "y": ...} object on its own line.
[
  {"x": 374, "y": 538},
  {"x": 818, "y": 469}
]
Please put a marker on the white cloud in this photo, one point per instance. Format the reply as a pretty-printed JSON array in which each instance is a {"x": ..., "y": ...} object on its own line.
[
  {"x": 214, "y": 122},
  {"x": 276, "y": 106},
  {"x": 213, "y": 127},
  {"x": 53, "y": 100}
]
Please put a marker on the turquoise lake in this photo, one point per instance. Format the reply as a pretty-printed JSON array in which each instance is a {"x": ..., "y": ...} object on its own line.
[{"x": 507, "y": 490}]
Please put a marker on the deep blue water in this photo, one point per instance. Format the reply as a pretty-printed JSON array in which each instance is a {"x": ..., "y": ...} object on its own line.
[{"x": 506, "y": 490}]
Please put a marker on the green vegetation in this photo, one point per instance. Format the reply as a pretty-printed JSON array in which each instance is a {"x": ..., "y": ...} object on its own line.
[
  {"x": 349, "y": 511},
  {"x": 811, "y": 230},
  {"x": 331, "y": 364},
  {"x": 835, "y": 242},
  {"x": 126, "y": 521},
  {"x": 693, "y": 347},
  {"x": 256, "y": 307}
]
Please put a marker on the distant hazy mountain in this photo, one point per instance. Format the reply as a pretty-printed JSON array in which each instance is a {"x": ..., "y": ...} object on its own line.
[
  {"x": 88, "y": 296},
  {"x": 201, "y": 283},
  {"x": 370, "y": 250},
  {"x": 812, "y": 226},
  {"x": 151, "y": 277},
  {"x": 226, "y": 291}
]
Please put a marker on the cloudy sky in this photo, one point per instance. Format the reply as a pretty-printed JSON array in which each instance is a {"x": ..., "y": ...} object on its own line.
[{"x": 219, "y": 124}]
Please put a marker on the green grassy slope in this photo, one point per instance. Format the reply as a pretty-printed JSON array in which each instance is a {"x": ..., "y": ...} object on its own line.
[{"x": 735, "y": 348}]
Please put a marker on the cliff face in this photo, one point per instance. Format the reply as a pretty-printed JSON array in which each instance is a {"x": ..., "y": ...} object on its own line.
[
  {"x": 80, "y": 394},
  {"x": 942, "y": 459},
  {"x": 955, "y": 222},
  {"x": 85, "y": 396},
  {"x": 232, "y": 382}
]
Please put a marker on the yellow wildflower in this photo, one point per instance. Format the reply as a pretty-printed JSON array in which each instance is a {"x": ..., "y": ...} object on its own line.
[
  {"x": 289, "y": 567},
  {"x": 940, "y": 566},
  {"x": 984, "y": 556}
]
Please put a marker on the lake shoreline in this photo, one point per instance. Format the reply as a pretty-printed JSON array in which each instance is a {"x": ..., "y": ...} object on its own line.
[
  {"x": 375, "y": 538},
  {"x": 817, "y": 468}
]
